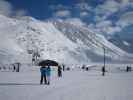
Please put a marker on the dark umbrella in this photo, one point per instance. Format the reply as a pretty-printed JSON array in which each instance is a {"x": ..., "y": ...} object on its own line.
[{"x": 48, "y": 62}]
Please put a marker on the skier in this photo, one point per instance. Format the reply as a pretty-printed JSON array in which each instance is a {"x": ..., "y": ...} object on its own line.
[
  {"x": 48, "y": 74},
  {"x": 59, "y": 71},
  {"x": 43, "y": 75}
]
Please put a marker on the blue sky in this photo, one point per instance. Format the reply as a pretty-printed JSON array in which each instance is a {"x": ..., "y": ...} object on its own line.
[
  {"x": 41, "y": 9},
  {"x": 103, "y": 16}
]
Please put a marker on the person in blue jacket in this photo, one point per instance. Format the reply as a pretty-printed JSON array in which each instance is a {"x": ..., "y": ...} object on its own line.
[
  {"x": 43, "y": 71},
  {"x": 48, "y": 74}
]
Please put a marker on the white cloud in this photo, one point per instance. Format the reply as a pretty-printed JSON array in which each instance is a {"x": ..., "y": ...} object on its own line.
[
  {"x": 83, "y": 6},
  {"x": 75, "y": 21},
  {"x": 106, "y": 26},
  {"x": 108, "y": 29},
  {"x": 126, "y": 19},
  {"x": 108, "y": 8},
  {"x": 112, "y": 30},
  {"x": 84, "y": 14},
  {"x": 62, "y": 13},
  {"x": 99, "y": 18},
  {"x": 59, "y": 7},
  {"x": 126, "y": 43},
  {"x": 125, "y": 2},
  {"x": 111, "y": 6},
  {"x": 20, "y": 13},
  {"x": 105, "y": 23},
  {"x": 5, "y": 8}
]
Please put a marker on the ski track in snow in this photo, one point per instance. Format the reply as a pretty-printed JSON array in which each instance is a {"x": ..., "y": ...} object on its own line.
[{"x": 74, "y": 85}]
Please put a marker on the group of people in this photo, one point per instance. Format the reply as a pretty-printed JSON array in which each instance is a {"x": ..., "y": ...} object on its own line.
[{"x": 46, "y": 74}]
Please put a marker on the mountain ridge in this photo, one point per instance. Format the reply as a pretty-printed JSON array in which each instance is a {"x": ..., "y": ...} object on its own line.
[{"x": 56, "y": 40}]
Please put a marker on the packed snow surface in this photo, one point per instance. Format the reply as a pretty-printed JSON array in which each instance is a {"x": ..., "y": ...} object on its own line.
[{"x": 75, "y": 84}]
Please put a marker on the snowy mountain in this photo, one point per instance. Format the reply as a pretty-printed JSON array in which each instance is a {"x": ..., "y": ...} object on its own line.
[
  {"x": 57, "y": 40},
  {"x": 123, "y": 40},
  {"x": 94, "y": 42}
]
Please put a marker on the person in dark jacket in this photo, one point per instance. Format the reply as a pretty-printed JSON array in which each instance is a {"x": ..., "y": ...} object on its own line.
[
  {"x": 14, "y": 67},
  {"x": 43, "y": 75},
  {"x": 59, "y": 71},
  {"x": 103, "y": 71}
]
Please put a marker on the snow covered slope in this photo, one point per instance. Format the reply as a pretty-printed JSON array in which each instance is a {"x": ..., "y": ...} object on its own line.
[
  {"x": 94, "y": 42},
  {"x": 55, "y": 40},
  {"x": 9, "y": 49}
]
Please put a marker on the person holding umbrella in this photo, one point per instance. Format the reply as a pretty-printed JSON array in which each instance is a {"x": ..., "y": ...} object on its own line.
[
  {"x": 46, "y": 71},
  {"x": 43, "y": 70}
]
